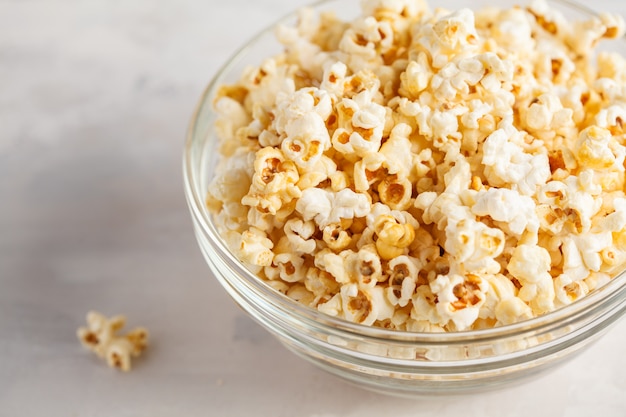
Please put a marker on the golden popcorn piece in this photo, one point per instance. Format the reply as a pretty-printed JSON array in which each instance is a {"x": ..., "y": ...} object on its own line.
[{"x": 393, "y": 237}]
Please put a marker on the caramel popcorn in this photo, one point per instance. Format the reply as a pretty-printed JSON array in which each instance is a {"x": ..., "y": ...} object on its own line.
[
  {"x": 428, "y": 170},
  {"x": 101, "y": 337}
]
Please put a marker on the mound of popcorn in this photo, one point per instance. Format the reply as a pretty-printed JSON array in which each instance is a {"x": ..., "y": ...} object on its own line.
[{"x": 428, "y": 170}]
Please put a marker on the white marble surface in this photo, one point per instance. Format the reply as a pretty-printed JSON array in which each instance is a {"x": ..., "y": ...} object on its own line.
[{"x": 95, "y": 97}]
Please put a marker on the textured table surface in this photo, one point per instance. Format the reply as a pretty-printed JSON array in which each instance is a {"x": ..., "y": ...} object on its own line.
[{"x": 95, "y": 97}]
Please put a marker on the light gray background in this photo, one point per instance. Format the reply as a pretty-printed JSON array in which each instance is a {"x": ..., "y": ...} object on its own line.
[{"x": 95, "y": 97}]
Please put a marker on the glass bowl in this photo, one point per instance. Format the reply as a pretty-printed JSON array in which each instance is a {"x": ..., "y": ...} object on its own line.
[{"x": 388, "y": 361}]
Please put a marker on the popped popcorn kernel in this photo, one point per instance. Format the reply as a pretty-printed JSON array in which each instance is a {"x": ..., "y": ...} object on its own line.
[
  {"x": 273, "y": 183},
  {"x": 459, "y": 298},
  {"x": 254, "y": 248},
  {"x": 592, "y": 149},
  {"x": 101, "y": 337},
  {"x": 403, "y": 276},
  {"x": 427, "y": 170},
  {"x": 393, "y": 237}
]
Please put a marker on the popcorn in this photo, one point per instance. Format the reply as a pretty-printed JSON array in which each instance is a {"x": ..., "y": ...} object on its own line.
[
  {"x": 459, "y": 298},
  {"x": 365, "y": 267},
  {"x": 366, "y": 40},
  {"x": 336, "y": 237},
  {"x": 474, "y": 245},
  {"x": 507, "y": 165},
  {"x": 321, "y": 284},
  {"x": 325, "y": 207},
  {"x": 568, "y": 290},
  {"x": 298, "y": 292},
  {"x": 515, "y": 212},
  {"x": 416, "y": 77},
  {"x": 426, "y": 170},
  {"x": 231, "y": 116},
  {"x": 537, "y": 288},
  {"x": 300, "y": 235},
  {"x": 234, "y": 177},
  {"x": 263, "y": 84},
  {"x": 393, "y": 237},
  {"x": 273, "y": 183},
  {"x": 546, "y": 113},
  {"x": 254, "y": 248},
  {"x": 403, "y": 272},
  {"x": 592, "y": 149},
  {"x": 364, "y": 306},
  {"x": 101, "y": 337},
  {"x": 362, "y": 132},
  {"x": 449, "y": 34},
  {"x": 512, "y": 310},
  {"x": 395, "y": 192}
]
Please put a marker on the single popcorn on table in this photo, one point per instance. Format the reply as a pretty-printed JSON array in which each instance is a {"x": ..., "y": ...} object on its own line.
[
  {"x": 102, "y": 337},
  {"x": 428, "y": 170}
]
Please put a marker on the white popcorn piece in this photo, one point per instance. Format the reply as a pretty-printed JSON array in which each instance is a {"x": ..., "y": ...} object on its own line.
[
  {"x": 616, "y": 220},
  {"x": 449, "y": 34},
  {"x": 593, "y": 149},
  {"x": 101, "y": 337},
  {"x": 591, "y": 246},
  {"x": 397, "y": 151},
  {"x": 568, "y": 290},
  {"x": 364, "y": 306},
  {"x": 334, "y": 264},
  {"x": 231, "y": 116},
  {"x": 364, "y": 129},
  {"x": 547, "y": 113},
  {"x": 300, "y": 235},
  {"x": 364, "y": 267},
  {"x": 515, "y": 211},
  {"x": 321, "y": 284},
  {"x": 326, "y": 207},
  {"x": 367, "y": 37},
  {"x": 403, "y": 271},
  {"x": 596, "y": 280},
  {"x": 301, "y": 117},
  {"x": 511, "y": 28},
  {"x": 537, "y": 288},
  {"x": 507, "y": 165},
  {"x": 299, "y": 45},
  {"x": 266, "y": 82},
  {"x": 332, "y": 307},
  {"x": 395, "y": 192},
  {"x": 301, "y": 294},
  {"x": 512, "y": 310},
  {"x": 474, "y": 245},
  {"x": 586, "y": 34},
  {"x": 575, "y": 198},
  {"x": 547, "y": 18},
  {"x": 459, "y": 298},
  {"x": 499, "y": 288},
  {"x": 234, "y": 176},
  {"x": 291, "y": 267},
  {"x": 334, "y": 78},
  {"x": 255, "y": 248}
]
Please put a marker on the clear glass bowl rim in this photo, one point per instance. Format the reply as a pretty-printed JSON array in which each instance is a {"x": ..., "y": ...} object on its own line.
[{"x": 611, "y": 292}]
